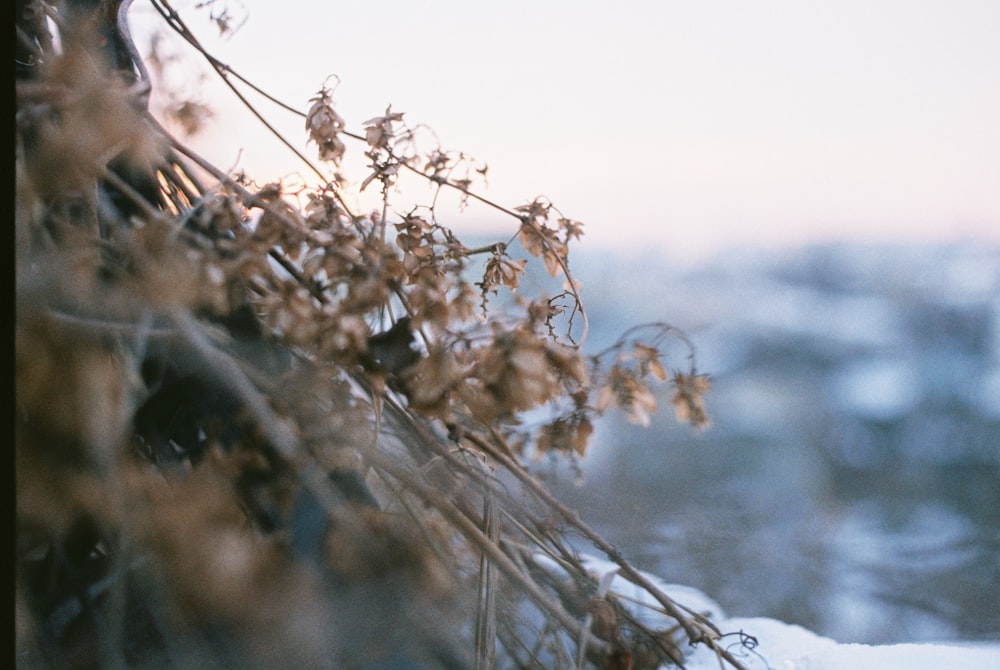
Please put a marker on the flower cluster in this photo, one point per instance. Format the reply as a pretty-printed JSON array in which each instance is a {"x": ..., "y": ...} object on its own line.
[
  {"x": 626, "y": 383},
  {"x": 240, "y": 406}
]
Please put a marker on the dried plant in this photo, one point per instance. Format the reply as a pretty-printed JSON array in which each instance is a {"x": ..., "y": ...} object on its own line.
[{"x": 254, "y": 434}]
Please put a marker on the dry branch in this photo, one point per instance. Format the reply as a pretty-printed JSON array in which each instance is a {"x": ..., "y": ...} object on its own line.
[{"x": 256, "y": 435}]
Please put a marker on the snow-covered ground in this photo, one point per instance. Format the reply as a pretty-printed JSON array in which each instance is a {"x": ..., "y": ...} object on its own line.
[
  {"x": 761, "y": 643},
  {"x": 781, "y": 646}
]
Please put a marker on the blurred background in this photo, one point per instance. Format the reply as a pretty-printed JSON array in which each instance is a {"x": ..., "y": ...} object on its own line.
[
  {"x": 808, "y": 189},
  {"x": 850, "y": 482}
]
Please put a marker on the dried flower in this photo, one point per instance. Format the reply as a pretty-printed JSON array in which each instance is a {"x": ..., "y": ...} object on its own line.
[
  {"x": 571, "y": 229},
  {"x": 566, "y": 435},
  {"x": 625, "y": 390},
  {"x": 502, "y": 271},
  {"x": 648, "y": 359},
  {"x": 688, "y": 400},
  {"x": 542, "y": 241},
  {"x": 379, "y": 131},
  {"x": 325, "y": 125}
]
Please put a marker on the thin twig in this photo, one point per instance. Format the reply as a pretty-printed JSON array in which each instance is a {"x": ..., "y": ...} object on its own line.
[
  {"x": 700, "y": 631},
  {"x": 478, "y": 538}
]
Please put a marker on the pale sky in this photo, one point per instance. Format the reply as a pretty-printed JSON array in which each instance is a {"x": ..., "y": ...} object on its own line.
[{"x": 692, "y": 126}]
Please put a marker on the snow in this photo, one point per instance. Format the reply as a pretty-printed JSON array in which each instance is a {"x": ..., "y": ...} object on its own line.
[
  {"x": 782, "y": 646},
  {"x": 644, "y": 605},
  {"x": 767, "y": 644}
]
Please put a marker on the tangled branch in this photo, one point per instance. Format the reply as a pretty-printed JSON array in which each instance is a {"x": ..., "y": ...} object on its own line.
[{"x": 256, "y": 434}]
